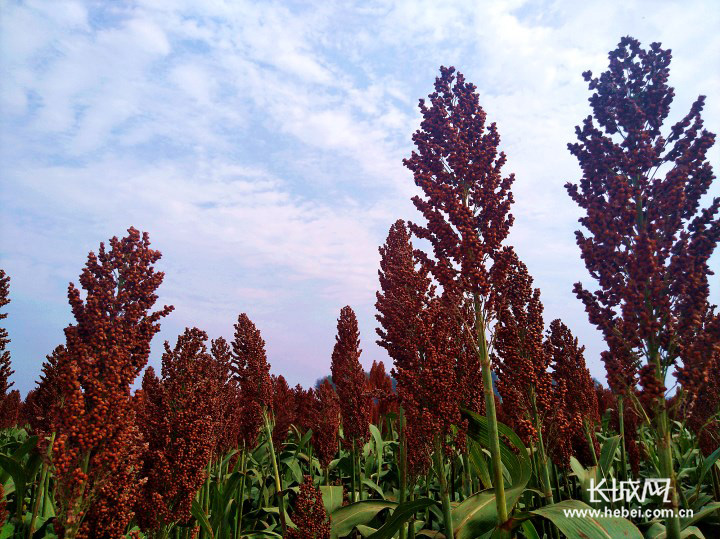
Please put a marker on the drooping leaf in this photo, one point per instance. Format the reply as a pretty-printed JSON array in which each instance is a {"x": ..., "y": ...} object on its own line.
[
  {"x": 400, "y": 516},
  {"x": 345, "y": 519}
]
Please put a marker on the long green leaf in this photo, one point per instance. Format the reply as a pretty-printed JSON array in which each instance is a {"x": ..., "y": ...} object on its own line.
[
  {"x": 708, "y": 463},
  {"x": 699, "y": 515},
  {"x": 400, "y": 516},
  {"x": 345, "y": 519},
  {"x": 201, "y": 517},
  {"x": 587, "y": 527},
  {"x": 17, "y": 472},
  {"x": 607, "y": 454}
]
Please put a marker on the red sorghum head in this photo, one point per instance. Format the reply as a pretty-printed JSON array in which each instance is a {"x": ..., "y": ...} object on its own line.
[
  {"x": 252, "y": 372},
  {"x": 349, "y": 379},
  {"x": 97, "y": 444},
  {"x": 309, "y": 516}
]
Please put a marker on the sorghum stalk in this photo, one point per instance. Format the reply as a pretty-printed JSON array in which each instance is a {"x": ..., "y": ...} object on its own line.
[
  {"x": 491, "y": 414},
  {"x": 621, "y": 426},
  {"x": 543, "y": 460},
  {"x": 411, "y": 522},
  {"x": 41, "y": 490},
  {"x": 276, "y": 472},
  {"x": 467, "y": 479},
  {"x": 590, "y": 442},
  {"x": 353, "y": 484},
  {"x": 444, "y": 492}
]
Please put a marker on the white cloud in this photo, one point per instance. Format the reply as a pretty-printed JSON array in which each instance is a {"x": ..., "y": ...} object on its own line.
[{"x": 261, "y": 143}]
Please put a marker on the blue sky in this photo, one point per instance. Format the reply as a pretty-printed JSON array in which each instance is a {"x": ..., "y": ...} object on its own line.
[{"x": 261, "y": 146}]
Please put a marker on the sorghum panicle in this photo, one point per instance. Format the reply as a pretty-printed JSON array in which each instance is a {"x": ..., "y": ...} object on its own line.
[
  {"x": 580, "y": 399},
  {"x": 309, "y": 516},
  {"x": 349, "y": 379},
  {"x": 326, "y": 423},
  {"x": 252, "y": 372},
  {"x": 647, "y": 239},
  {"x": 179, "y": 420},
  {"x": 284, "y": 409},
  {"x": 97, "y": 444}
]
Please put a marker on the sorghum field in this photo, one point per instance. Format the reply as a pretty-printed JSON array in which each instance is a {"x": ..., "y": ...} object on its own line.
[{"x": 487, "y": 423}]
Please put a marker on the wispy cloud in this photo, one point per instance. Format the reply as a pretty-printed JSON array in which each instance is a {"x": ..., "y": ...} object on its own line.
[{"x": 261, "y": 144}]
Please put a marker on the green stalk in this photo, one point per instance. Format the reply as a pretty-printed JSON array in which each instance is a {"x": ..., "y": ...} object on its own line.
[
  {"x": 411, "y": 522},
  {"x": 672, "y": 524},
  {"x": 361, "y": 474},
  {"x": 444, "y": 492},
  {"x": 556, "y": 481},
  {"x": 452, "y": 478},
  {"x": 467, "y": 479},
  {"x": 496, "y": 462},
  {"x": 47, "y": 498},
  {"x": 41, "y": 490},
  {"x": 590, "y": 442},
  {"x": 354, "y": 471},
  {"x": 621, "y": 424},
  {"x": 543, "y": 461},
  {"x": 276, "y": 471},
  {"x": 241, "y": 494}
]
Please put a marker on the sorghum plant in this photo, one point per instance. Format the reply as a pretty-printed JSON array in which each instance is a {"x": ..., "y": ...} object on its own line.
[
  {"x": 179, "y": 418},
  {"x": 310, "y": 517},
  {"x": 648, "y": 240},
  {"x": 283, "y": 409},
  {"x": 96, "y": 449},
  {"x": 326, "y": 423},
  {"x": 465, "y": 203},
  {"x": 531, "y": 401},
  {"x": 381, "y": 389},
  {"x": 580, "y": 403},
  {"x": 229, "y": 407},
  {"x": 40, "y": 402},
  {"x": 352, "y": 388},
  {"x": 252, "y": 372},
  {"x": 419, "y": 331}
]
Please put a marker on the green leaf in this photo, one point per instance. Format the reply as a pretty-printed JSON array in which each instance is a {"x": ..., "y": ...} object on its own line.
[
  {"x": 516, "y": 458},
  {"x": 607, "y": 454},
  {"x": 332, "y": 497},
  {"x": 370, "y": 483},
  {"x": 707, "y": 464},
  {"x": 199, "y": 514},
  {"x": 587, "y": 527},
  {"x": 400, "y": 516},
  {"x": 529, "y": 530},
  {"x": 699, "y": 515},
  {"x": 345, "y": 519},
  {"x": 658, "y": 531},
  {"x": 25, "y": 447},
  {"x": 475, "y": 516},
  {"x": 17, "y": 472},
  {"x": 477, "y": 457},
  {"x": 365, "y": 531},
  {"x": 7, "y": 530}
]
